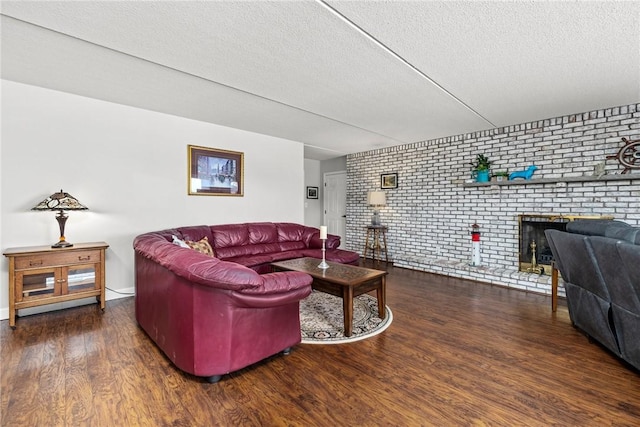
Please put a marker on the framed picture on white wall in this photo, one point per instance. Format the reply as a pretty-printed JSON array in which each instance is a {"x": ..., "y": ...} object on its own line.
[
  {"x": 214, "y": 172},
  {"x": 312, "y": 192}
]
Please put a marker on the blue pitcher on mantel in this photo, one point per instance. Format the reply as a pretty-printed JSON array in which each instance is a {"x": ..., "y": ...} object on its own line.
[{"x": 482, "y": 176}]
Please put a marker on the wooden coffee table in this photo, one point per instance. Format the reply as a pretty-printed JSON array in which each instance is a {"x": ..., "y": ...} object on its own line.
[{"x": 342, "y": 280}]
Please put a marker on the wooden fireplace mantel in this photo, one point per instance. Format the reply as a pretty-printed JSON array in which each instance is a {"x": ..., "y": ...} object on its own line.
[{"x": 558, "y": 180}]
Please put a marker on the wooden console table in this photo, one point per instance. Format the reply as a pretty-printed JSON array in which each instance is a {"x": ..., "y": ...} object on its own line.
[{"x": 41, "y": 275}]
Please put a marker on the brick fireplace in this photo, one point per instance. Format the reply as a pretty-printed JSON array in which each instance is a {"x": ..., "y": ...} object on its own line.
[
  {"x": 535, "y": 254},
  {"x": 428, "y": 216}
]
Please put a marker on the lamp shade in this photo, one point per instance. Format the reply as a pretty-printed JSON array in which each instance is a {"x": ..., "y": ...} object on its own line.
[
  {"x": 60, "y": 201},
  {"x": 377, "y": 198}
]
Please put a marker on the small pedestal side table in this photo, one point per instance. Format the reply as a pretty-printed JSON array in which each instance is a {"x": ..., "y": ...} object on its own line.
[{"x": 374, "y": 232}]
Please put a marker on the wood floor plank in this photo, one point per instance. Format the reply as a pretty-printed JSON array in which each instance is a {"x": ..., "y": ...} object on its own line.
[
  {"x": 78, "y": 388},
  {"x": 457, "y": 353}
]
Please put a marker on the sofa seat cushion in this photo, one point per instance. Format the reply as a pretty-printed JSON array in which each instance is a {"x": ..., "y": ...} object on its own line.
[
  {"x": 334, "y": 255},
  {"x": 251, "y": 260},
  {"x": 249, "y": 250},
  {"x": 265, "y": 259},
  {"x": 283, "y": 256},
  {"x": 291, "y": 246}
]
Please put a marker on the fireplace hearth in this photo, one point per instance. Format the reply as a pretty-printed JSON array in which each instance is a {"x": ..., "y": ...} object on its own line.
[{"x": 535, "y": 254}]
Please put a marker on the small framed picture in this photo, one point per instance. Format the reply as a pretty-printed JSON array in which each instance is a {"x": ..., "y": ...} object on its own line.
[
  {"x": 312, "y": 192},
  {"x": 214, "y": 172},
  {"x": 389, "y": 180}
]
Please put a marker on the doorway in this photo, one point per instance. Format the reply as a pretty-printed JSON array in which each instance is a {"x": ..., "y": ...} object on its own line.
[{"x": 335, "y": 204}]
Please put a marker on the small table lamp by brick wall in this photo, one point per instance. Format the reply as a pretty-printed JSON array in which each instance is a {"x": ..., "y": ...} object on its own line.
[
  {"x": 377, "y": 199},
  {"x": 60, "y": 202}
]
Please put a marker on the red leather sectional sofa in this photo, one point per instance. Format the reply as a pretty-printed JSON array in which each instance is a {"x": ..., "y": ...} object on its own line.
[{"x": 215, "y": 315}]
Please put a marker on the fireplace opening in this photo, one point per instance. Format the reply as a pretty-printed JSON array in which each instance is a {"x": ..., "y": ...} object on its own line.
[{"x": 535, "y": 252}]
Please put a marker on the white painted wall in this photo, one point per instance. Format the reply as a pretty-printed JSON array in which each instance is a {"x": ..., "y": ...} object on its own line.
[
  {"x": 337, "y": 164},
  {"x": 129, "y": 166},
  {"x": 313, "y": 207}
]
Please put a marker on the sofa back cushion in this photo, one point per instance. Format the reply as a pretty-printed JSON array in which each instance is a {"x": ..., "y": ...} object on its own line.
[
  {"x": 262, "y": 232},
  {"x": 614, "y": 229},
  {"x": 238, "y": 240},
  {"x": 241, "y": 240},
  {"x": 230, "y": 240},
  {"x": 294, "y": 236},
  {"x": 628, "y": 234},
  {"x": 229, "y": 236},
  {"x": 288, "y": 232},
  {"x": 594, "y": 227}
]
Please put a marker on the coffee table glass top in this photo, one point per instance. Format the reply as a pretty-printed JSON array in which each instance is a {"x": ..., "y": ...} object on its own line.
[{"x": 338, "y": 273}]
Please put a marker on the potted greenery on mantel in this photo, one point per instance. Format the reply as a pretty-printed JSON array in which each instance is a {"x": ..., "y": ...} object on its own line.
[
  {"x": 481, "y": 168},
  {"x": 500, "y": 175}
]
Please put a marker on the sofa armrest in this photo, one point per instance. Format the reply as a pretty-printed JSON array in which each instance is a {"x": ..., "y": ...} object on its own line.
[
  {"x": 333, "y": 241},
  {"x": 200, "y": 268},
  {"x": 278, "y": 289},
  {"x": 223, "y": 275}
]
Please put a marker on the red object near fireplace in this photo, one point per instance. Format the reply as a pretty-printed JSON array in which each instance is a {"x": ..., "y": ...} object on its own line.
[{"x": 475, "y": 243}]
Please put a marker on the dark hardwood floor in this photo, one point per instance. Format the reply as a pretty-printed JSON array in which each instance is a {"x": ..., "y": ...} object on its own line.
[{"x": 457, "y": 353}]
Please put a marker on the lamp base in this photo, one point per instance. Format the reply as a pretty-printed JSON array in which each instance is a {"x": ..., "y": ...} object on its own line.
[
  {"x": 62, "y": 244},
  {"x": 61, "y": 217},
  {"x": 375, "y": 218}
]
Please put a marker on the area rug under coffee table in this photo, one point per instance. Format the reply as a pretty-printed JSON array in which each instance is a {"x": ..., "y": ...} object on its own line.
[
  {"x": 341, "y": 280},
  {"x": 322, "y": 321}
]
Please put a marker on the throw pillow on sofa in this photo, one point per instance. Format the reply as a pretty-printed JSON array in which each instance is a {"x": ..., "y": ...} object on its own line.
[
  {"x": 203, "y": 246},
  {"x": 179, "y": 242}
]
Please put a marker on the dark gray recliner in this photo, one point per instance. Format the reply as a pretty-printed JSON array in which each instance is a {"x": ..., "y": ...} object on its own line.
[
  {"x": 626, "y": 304},
  {"x": 588, "y": 298},
  {"x": 600, "y": 263}
]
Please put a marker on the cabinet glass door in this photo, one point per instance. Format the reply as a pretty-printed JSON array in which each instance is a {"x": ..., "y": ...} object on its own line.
[
  {"x": 36, "y": 285},
  {"x": 81, "y": 278}
]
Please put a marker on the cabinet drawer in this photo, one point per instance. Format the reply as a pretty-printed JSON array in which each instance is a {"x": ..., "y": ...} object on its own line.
[{"x": 63, "y": 258}]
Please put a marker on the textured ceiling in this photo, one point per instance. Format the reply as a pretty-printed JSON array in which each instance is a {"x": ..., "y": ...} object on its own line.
[{"x": 338, "y": 76}]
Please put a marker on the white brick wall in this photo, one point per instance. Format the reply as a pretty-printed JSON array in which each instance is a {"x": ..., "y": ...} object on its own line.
[{"x": 430, "y": 213}]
